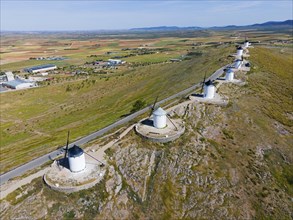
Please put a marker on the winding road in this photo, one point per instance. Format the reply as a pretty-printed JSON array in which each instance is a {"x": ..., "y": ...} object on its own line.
[{"x": 50, "y": 156}]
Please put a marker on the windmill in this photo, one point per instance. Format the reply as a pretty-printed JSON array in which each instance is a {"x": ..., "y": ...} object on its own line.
[
  {"x": 239, "y": 51},
  {"x": 229, "y": 76},
  {"x": 153, "y": 107},
  {"x": 76, "y": 150},
  {"x": 203, "y": 83},
  {"x": 67, "y": 143},
  {"x": 168, "y": 116},
  {"x": 207, "y": 88},
  {"x": 160, "y": 116},
  {"x": 246, "y": 43}
]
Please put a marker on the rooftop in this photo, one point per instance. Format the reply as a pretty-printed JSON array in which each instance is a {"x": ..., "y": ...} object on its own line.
[
  {"x": 15, "y": 82},
  {"x": 208, "y": 83},
  {"x": 159, "y": 112},
  {"x": 75, "y": 151},
  {"x": 40, "y": 67}
]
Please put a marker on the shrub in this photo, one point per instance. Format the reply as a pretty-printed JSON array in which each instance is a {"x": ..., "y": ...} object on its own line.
[{"x": 139, "y": 104}]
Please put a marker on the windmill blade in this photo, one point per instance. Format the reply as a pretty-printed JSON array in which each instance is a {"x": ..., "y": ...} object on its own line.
[
  {"x": 203, "y": 82},
  {"x": 67, "y": 143},
  {"x": 172, "y": 122},
  {"x": 102, "y": 164},
  {"x": 154, "y": 105}
]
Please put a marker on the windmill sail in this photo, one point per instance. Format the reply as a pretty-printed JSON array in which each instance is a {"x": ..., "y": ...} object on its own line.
[
  {"x": 154, "y": 105},
  {"x": 203, "y": 82},
  {"x": 67, "y": 143},
  {"x": 172, "y": 122}
]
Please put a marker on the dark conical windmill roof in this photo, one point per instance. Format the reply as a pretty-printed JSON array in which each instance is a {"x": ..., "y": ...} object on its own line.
[
  {"x": 75, "y": 151},
  {"x": 208, "y": 83}
]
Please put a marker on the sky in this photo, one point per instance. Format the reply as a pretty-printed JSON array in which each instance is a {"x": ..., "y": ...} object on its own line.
[{"x": 61, "y": 15}]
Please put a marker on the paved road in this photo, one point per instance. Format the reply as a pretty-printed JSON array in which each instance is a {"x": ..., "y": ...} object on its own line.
[{"x": 50, "y": 156}]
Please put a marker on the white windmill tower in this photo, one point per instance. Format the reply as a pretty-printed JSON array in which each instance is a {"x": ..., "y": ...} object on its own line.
[
  {"x": 75, "y": 157},
  {"x": 229, "y": 75},
  {"x": 239, "y": 51},
  {"x": 160, "y": 116},
  {"x": 208, "y": 89},
  {"x": 238, "y": 62},
  {"x": 246, "y": 43}
]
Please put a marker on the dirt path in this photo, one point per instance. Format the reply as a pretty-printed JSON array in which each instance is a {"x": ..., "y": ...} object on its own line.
[
  {"x": 7, "y": 188},
  {"x": 100, "y": 154}
]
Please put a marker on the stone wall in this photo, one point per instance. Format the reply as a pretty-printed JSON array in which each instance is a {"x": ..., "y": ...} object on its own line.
[
  {"x": 71, "y": 189},
  {"x": 162, "y": 139}
]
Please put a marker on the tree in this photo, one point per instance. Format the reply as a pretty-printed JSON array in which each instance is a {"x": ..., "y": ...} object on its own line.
[{"x": 139, "y": 104}]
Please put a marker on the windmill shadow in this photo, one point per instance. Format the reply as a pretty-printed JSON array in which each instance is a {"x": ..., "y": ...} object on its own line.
[
  {"x": 200, "y": 94},
  {"x": 63, "y": 162},
  {"x": 147, "y": 122},
  {"x": 197, "y": 95}
]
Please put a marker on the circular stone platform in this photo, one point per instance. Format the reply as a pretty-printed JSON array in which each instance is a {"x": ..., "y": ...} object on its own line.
[
  {"x": 217, "y": 100},
  {"x": 60, "y": 178},
  {"x": 146, "y": 129}
]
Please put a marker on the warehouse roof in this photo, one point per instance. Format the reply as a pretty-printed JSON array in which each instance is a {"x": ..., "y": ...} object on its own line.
[
  {"x": 14, "y": 83},
  {"x": 40, "y": 67}
]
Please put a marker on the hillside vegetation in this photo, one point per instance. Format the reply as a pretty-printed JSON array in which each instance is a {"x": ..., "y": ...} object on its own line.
[{"x": 233, "y": 162}]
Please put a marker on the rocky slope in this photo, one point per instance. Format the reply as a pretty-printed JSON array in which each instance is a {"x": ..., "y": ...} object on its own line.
[{"x": 233, "y": 162}]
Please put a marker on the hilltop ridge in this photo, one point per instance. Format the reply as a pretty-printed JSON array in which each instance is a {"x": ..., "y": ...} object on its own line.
[{"x": 232, "y": 162}]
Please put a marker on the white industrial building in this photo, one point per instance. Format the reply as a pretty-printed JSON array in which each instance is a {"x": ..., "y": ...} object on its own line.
[
  {"x": 160, "y": 118},
  {"x": 229, "y": 75},
  {"x": 41, "y": 68},
  {"x": 209, "y": 90},
  {"x": 76, "y": 159},
  {"x": 115, "y": 62},
  {"x": 7, "y": 76},
  {"x": 18, "y": 84}
]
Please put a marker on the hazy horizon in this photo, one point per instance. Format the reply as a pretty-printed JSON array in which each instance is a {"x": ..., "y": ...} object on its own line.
[{"x": 94, "y": 15}]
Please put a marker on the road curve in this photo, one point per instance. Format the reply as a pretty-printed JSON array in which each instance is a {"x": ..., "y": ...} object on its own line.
[{"x": 50, "y": 156}]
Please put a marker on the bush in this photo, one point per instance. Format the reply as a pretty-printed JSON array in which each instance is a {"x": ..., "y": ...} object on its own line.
[{"x": 139, "y": 104}]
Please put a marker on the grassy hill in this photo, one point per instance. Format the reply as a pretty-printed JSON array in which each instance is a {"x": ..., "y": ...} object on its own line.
[{"x": 232, "y": 162}]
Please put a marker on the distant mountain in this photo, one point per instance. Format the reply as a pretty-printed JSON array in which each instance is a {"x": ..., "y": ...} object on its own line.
[
  {"x": 269, "y": 24},
  {"x": 275, "y": 23}
]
